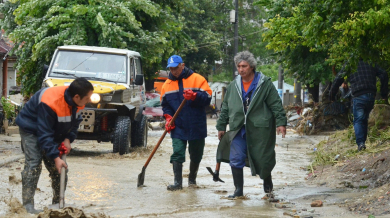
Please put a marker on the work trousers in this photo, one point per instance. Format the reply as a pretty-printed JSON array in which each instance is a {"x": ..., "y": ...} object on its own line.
[
  {"x": 33, "y": 167},
  {"x": 195, "y": 148}
]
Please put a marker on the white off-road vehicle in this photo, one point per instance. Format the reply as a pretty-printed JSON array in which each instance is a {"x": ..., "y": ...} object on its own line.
[{"x": 115, "y": 114}]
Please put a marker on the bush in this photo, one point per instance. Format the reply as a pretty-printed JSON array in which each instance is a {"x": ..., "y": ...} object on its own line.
[{"x": 8, "y": 108}]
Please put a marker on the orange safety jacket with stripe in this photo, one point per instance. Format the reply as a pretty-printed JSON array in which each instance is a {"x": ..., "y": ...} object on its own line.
[
  {"x": 191, "y": 122},
  {"x": 52, "y": 116}
]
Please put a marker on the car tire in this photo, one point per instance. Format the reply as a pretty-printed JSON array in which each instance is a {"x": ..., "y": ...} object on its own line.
[
  {"x": 122, "y": 136},
  {"x": 140, "y": 133}
]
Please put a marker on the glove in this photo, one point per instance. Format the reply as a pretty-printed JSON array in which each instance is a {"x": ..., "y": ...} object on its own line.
[
  {"x": 62, "y": 149},
  {"x": 168, "y": 119},
  {"x": 216, "y": 176},
  {"x": 189, "y": 94}
]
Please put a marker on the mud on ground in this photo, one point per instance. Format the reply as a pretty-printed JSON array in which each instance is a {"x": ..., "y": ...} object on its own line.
[{"x": 366, "y": 173}]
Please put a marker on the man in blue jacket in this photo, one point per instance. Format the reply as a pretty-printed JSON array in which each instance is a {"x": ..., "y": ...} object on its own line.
[
  {"x": 190, "y": 125},
  {"x": 49, "y": 118}
]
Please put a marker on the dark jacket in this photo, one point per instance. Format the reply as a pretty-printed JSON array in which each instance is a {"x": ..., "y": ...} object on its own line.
[
  {"x": 264, "y": 114},
  {"x": 52, "y": 116},
  {"x": 362, "y": 81},
  {"x": 191, "y": 122}
]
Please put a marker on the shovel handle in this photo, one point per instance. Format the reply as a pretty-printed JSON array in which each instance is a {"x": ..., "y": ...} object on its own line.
[
  {"x": 62, "y": 183},
  {"x": 165, "y": 132},
  {"x": 217, "y": 166}
]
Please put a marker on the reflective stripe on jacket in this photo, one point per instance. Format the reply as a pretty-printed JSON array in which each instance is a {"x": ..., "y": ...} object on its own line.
[
  {"x": 191, "y": 122},
  {"x": 52, "y": 116}
]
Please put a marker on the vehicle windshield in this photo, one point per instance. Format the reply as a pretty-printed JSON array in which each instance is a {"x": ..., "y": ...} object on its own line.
[{"x": 103, "y": 67}]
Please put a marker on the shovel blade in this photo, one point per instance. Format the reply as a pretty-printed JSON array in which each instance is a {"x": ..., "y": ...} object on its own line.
[
  {"x": 212, "y": 173},
  {"x": 141, "y": 177}
]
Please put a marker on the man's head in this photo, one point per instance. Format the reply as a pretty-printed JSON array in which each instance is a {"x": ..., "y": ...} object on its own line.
[
  {"x": 245, "y": 63},
  {"x": 81, "y": 90},
  {"x": 175, "y": 65}
]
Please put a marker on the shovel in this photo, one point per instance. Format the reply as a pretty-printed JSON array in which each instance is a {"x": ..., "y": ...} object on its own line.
[
  {"x": 62, "y": 183},
  {"x": 216, "y": 170},
  {"x": 141, "y": 176}
]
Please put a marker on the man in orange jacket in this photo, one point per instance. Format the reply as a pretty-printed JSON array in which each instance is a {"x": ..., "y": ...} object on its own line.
[
  {"x": 49, "y": 118},
  {"x": 190, "y": 125}
]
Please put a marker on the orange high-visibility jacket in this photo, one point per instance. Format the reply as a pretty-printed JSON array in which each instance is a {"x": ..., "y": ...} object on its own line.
[
  {"x": 191, "y": 122},
  {"x": 52, "y": 116}
]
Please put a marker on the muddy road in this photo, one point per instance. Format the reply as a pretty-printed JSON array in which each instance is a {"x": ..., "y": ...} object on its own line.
[{"x": 102, "y": 182}]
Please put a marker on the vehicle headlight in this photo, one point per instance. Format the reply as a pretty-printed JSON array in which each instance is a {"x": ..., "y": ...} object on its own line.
[{"x": 95, "y": 98}]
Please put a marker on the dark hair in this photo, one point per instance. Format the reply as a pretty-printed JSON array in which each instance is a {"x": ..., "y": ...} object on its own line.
[{"x": 80, "y": 86}]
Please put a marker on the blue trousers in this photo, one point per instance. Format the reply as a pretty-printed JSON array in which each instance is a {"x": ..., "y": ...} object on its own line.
[
  {"x": 362, "y": 106},
  {"x": 238, "y": 151}
]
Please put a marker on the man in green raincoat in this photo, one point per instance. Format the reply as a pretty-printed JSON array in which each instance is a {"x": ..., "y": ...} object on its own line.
[{"x": 253, "y": 109}]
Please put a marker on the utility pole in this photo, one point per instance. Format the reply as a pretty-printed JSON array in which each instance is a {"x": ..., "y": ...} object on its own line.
[
  {"x": 235, "y": 37},
  {"x": 280, "y": 82},
  {"x": 297, "y": 93}
]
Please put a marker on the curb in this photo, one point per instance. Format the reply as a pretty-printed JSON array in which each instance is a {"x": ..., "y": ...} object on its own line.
[{"x": 11, "y": 159}]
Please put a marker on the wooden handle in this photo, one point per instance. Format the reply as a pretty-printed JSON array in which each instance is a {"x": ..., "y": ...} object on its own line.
[
  {"x": 165, "y": 132},
  {"x": 62, "y": 183},
  {"x": 218, "y": 166}
]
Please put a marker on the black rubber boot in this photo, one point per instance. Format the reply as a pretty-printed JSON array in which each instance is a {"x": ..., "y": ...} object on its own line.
[
  {"x": 177, "y": 170},
  {"x": 55, "y": 184},
  {"x": 30, "y": 209},
  {"x": 193, "y": 172},
  {"x": 238, "y": 179},
  {"x": 29, "y": 185},
  {"x": 268, "y": 185}
]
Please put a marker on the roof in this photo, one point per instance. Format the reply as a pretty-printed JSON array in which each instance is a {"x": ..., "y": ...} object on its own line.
[
  {"x": 99, "y": 49},
  {"x": 286, "y": 86},
  {"x": 4, "y": 47}
]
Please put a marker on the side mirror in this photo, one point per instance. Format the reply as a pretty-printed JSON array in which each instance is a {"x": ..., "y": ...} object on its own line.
[
  {"x": 139, "y": 79},
  {"x": 44, "y": 70}
]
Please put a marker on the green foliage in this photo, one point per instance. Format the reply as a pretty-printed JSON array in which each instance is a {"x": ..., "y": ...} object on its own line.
[
  {"x": 154, "y": 28},
  {"x": 222, "y": 77},
  {"x": 272, "y": 70},
  {"x": 202, "y": 27},
  {"x": 8, "y": 108},
  {"x": 327, "y": 32}
]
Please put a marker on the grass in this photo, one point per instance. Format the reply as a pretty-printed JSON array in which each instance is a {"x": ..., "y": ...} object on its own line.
[{"x": 343, "y": 143}]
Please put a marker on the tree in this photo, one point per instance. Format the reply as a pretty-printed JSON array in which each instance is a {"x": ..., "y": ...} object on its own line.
[
  {"x": 337, "y": 31},
  {"x": 204, "y": 29},
  {"x": 152, "y": 27}
]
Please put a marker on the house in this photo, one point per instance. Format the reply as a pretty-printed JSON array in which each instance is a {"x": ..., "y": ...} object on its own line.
[{"x": 8, "y": 72}]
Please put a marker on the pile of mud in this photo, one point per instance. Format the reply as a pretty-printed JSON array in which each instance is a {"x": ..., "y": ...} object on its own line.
[
  {"x": 16, "y": 208},
  {"x": 366, "y": 172},
  {"x": 68, "y": 212},
  {"x": 315, "y": 118}
]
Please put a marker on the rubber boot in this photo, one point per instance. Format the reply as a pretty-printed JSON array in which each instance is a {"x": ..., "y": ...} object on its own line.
[
  {"x": 29, "y": 185},
  {"x": 238, "y": 179},
  {"x": 178, "y": 180},
  {"x": 193, "y": 172},
  {"x": 268, "y": 186},
  {"x": 55, "y": 184}
]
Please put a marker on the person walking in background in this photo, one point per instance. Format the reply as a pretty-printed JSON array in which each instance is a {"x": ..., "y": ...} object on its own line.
[{"x": 363, "y": 89}]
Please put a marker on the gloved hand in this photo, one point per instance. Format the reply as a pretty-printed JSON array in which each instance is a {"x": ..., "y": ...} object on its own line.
[
  {"x": 189, "y": 94},
  {"x": 168, "y": 119},
  {"x": 62, "y": 148},
  {"x": 216, "y": 176}
]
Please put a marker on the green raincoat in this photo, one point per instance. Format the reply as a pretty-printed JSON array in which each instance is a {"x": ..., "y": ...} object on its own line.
[{"x": 265, "y": 113}]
